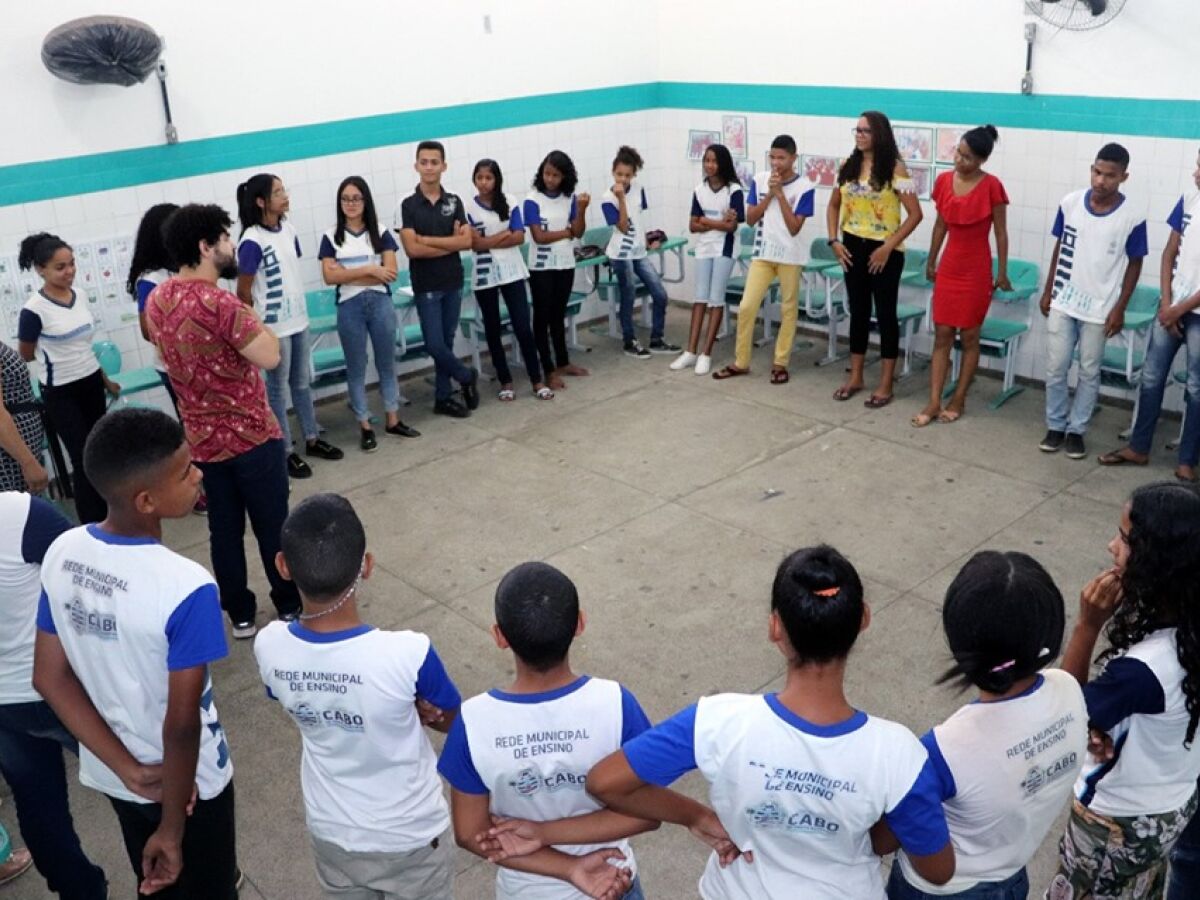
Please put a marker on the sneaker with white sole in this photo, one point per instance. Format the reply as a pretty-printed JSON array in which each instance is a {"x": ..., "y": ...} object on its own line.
[
  {"x": 682, "y": 361},
  {"x": 244, "y": 630},
  {"x": 703, "y": 364},
  {"x": 636, "y": 350},
  {"x": 664, "y": 346}
]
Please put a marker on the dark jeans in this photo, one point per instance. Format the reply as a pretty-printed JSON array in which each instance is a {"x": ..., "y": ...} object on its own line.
[
  {"x": 255, "y": 484},
  {"x": 209, "y": 846},
  {"x": 73, "y": 409},
  {"x": 518, "y": 315},
  {"x": 551, "y": 290},
  {"x": 438, "y": 311},
  {"x": 31, "y": 744},
  {"x": 625, "y": 269},
  {"x": 1184, "y": 880},
  {"x": 1016, "y": 887},
  {"x": 1156, "y": 374},
  {"x": 862, "y": 286}
]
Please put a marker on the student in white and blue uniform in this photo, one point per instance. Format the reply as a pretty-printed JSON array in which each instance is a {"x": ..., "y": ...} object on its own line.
[
  {"x": 373, "y": 802},
  {"x": 797, "y": 778},
  {"x": 500, "y": 270},
  {"x": 1005, "y": 763},
  {"x": 359, "y": 260},
  {"x": 524, "y": 753},
  {"x": 150, "y": 267}
]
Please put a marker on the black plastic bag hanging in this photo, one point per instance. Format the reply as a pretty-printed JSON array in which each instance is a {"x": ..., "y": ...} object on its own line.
[{"x": 102, "y": 50}]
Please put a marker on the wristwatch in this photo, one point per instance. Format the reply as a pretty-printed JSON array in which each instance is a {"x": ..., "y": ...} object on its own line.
[{"x": 832, "y": 241}]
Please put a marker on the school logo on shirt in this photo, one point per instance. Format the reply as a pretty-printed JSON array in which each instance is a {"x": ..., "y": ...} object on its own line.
[
  {"x": 309, "y": 718},
  {"x": 1038, "y": 777},
  {"x": 305, "y": 715},
  {"x": 530, "y": 781},
  {"x": 91, "y": 623},
  {"x": 447, "y": 206},
  {"x": 773, "y": 814}
]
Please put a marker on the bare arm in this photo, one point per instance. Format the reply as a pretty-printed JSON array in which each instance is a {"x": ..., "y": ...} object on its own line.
[
  {"x": 28, "y": 350},
  {"x": 245, "y": 284},
  {"x": 622, "y": 212},
  {"x": 456, "y": 243},
  {"x": 36, "y": 477},
  {"x": 579, "y": 223},
  {"x": 415, "y": 247},
  {"x": 912, "y": 218},
  {"x": 542, "y": 235},
  {"x": 833, "y": 215},
  {"x": 1166, "y": 268},
  {"x": 1048, "y": 287},
  {"x": 1115, "y": 321},
  {"x": 263, "y": 351},
  {"x": 935, "y": 246},
  {"x": 333, "y": 272},
  {"x": 1000, "y": 223}
]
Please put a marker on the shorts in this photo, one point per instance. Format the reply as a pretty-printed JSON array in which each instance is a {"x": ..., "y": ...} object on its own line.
[
  {"x": 422, "y": 874},
  {"x": 712, "y": 278}
]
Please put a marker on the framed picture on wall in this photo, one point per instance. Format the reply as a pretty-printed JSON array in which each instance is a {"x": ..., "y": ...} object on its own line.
[
  {"x": 698, "y": 142},
  {"x": 745, "y": 171},
  {"x": 947, "y": 142},
  {"x": 922, "y": 176},
  {"x": 821, "y": 169},
  {"x": 735, "y": 136},
  {"x": 915, "y": 143}
]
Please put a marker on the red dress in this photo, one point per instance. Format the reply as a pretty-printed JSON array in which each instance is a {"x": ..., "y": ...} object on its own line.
[{"x": 962, "y": 290}]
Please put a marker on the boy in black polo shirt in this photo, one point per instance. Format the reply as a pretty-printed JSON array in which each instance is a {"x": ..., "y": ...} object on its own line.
[{"x": 433, "y": 229}]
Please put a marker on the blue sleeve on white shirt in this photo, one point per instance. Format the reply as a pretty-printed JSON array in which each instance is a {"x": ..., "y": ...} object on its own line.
[
  {"x": 144, "y": 287},
  {"x": 515, "y": 222},
  {"x": 737, "y": 202},
  {"x": 326, "y": 250},
  {"x": 804, "y": 206},
  {"x": 455, "y": 763},
  {"x": 611, "y": 213},
  {"x": 389, "y": 242},
  {"x": 1137, "y": 244},
  {"x": 633, "y": 718},
  {"x": 249, "y": 257},
  {"x": 697, "y": 210},
  {"x": 1126, "y": 687},
  {"x": 1057, "y": 228},
  {"x": 45, "y": 621},
  {"x": 1175, "y": 219},
  {"x": 941, "y": 770},
  {"x": 918, "y": 820},
  {"x": 44, "y": 524},
  {"x": 434, "y": 685},
  {"x": 195, "y": 632},
  {"x": 574, "y": 209},
  {"x": 753, "y": 201},
  {"x": 665, "y": 752},
  {"x": 298, "y": 252},
  {"x": 533, "y": 214},
  {"x": 29, "y": 326}
]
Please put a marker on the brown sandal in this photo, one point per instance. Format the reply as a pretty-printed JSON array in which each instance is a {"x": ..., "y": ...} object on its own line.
[
  {"x": 779, "y": 375},
  {"x": 1116, "y": 458},
  {"x": 729, "y": 371}
]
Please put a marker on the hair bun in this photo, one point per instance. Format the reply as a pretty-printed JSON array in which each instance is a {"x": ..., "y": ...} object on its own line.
[{"x": 992, "y": 132}]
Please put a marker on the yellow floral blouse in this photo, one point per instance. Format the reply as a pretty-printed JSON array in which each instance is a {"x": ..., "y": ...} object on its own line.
[{"x": 871, "y": 214}]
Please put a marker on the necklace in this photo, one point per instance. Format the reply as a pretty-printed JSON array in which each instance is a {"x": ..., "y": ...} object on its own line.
[{"x": 305, "y": 617}]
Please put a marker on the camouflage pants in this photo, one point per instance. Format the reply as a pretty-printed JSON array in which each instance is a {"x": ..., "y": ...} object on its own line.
[{"x": 1119, "y": 858}]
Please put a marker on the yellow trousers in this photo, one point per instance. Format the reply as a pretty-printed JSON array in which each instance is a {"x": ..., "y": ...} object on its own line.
[{"x": 758, "y": 282}]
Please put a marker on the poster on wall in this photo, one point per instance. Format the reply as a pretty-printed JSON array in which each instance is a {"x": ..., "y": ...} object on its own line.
[
  {"x": 745, "y": 171},
  {"x": 734, "y": 136},
  {"x": 821, "y": 169},
  {"x": 699, "y": 141},
  {"x": 914, "y": 143},
  {"x": 922, "y": 176},
  {"x": 947, "y": 142}
]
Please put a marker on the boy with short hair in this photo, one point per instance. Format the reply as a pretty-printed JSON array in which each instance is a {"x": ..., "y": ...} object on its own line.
[
  {"x": 1101, "y": 241},
  {"x": 373, "y": 802},
  {"x": 524, "y": 754},
  {"x": 779, "y": 202},
  {"x": 127, "y": 629},
  {"x": 433, "y": 229}
]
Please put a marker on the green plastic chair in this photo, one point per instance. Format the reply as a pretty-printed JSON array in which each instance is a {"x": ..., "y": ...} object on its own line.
[{"x": 132, "y": 382}]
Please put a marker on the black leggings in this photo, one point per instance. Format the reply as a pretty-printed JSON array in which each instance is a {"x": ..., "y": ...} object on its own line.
[
  {"x": 551, "y": 289},
  {"x": 73, "y": 409},
  {"x": 861, "y": 286},
  {"x": 518, "y": 318}
]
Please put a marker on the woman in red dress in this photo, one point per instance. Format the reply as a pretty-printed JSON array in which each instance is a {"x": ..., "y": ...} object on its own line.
[{"x": 970, "y": 203}]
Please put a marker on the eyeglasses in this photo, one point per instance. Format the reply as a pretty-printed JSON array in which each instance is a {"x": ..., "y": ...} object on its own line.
[
  {"x": 349, "y": 201},
  {"x": 860, "y": 130}
]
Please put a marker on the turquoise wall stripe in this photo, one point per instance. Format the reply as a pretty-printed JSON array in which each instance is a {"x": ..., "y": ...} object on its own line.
[{"x": 27, "y": 182}]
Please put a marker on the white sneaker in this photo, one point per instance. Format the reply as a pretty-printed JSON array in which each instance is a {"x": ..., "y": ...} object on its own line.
[
  {"x": 684, "y": 360},
  {"x": 703, "y": 364},
  {"x": 244, "y": 630}
]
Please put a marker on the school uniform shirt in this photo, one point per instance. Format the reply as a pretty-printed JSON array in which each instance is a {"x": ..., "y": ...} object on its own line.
[
  {"x": 551, "y": 212},
  {"x": 438, "y": 219},
  {"x": 28, "y": 526},
  {"x": 803, "y": 797},
  {"x": 500, "y": 265},
  {"x": 1186, "y": 280},
  {"x": 146, "y": 283},
  {"x": 772, "y": 240},
  {"x": 272, "y": 256},
  {"x": 354, "y": 251},
  {"x": 128, "y": 612},
  {"x": 711, "y": 204},
  {"x": 369, "y": 774},
  {"x": 1005, "y": 770},
  {"x": 1138, "y": 701},
  {"x": 1094, "y": 250},
  {"x": 532, "y": 753},
  {"x": 629, "y": 244},
  {"x": 63, "y": 335}
]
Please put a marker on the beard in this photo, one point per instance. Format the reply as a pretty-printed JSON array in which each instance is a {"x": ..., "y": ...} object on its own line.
[{"x": 227, "y": 267}]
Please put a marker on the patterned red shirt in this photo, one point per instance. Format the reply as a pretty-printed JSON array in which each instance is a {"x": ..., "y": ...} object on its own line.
[{"x": 200, "y": 330}]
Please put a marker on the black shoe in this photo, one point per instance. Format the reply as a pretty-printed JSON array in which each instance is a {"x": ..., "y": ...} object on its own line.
[
  {"x": 367, "y": 442},
  {"x": 451, "y": 408},
  {"x": 1052, "y": 442},
  {"x": 636, "y": 350},
  {"x": 1074, "y": 446},
  {"x": 322, "y": 449},
  {"x": 661, "y": 346},
  {"x": 402, "y": 430},
  {"x": 298, "y": 468},
  {"x": 470, "y": 391}
]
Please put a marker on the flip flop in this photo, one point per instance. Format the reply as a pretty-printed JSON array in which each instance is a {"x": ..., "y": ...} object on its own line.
[
  {"x": 844, "y": 393},
  {"x": 544, "y": 393},
  {"x": 1116, "y": 459},
  {"x": 949, "y": 416},
  {"x": 920, "y": 420},
  {"x": 877, "y": 402},
  {"x": 729, "y": 372},
  {"x": 779, "y": 376},
  {"x": 506, "y": 395}
]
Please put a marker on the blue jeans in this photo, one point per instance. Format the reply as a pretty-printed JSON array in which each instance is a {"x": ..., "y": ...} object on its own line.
[
  {"x": 438, "y": 311},
  {"x": 32, "y": 740},
  {"x": 253, "y": 484},
  {"x": 1015, "y": 887},
  {"x": 1184, "y": 880},
  {"x": 625, "y": 269},
  {"x": 712, "y": 279},
  {"x": 517, "y": 302},
  {"x": 369, "y": 314},
  {"x": 635, "y": 891},
  {"x": 293, "y": 372},
  {"x": 1063, "y": 334},
  {"x": 1156, "y": 372}
]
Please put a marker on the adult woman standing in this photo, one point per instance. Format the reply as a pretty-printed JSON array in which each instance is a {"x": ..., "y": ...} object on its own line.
[
  {"x": 970, "y": 203},
  {"x": 21, "y": 432},
  {"x": 867, "y": 236}
]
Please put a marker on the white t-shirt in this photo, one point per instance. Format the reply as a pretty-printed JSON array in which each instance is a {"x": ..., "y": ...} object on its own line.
[
  {"x": 146, "y": 284},
  {"x": 501, "y": 265},
  {"x": 1094, "y": 250},
  {"x": 803, "y": 797},
  {"x": 1138, "y": 701},
  {"x": 356, "y": 250},
  {"x": 128, "y": 612},
  {"x": 1006, "y": 770},
  {"x": 28, "y": 526},
  {"x": 629, "y": 244},
  {"x": 532, "y": 754},
  {"x": 552, "y": 213},
  {"x": 1186, "y": 281},
  {"x": 369, "y": 774},
  {"x": 712, "y": 204},
  {"x": 63, "y": 335},
  {"x": 272, "y": 256},
  {"x": 772, "y": 240}
]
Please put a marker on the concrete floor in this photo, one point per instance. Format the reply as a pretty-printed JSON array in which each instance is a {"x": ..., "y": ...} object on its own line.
[{"x": 669, "y": 499}]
